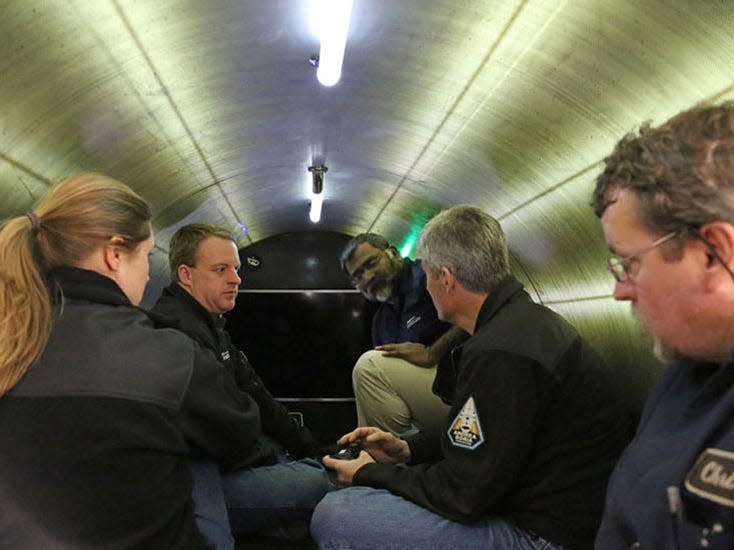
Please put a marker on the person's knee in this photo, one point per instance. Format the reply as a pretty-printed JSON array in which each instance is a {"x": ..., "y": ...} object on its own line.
[
  {"x": 365, "y": 366},
  {"x": 368, "y": 360},
  {"x": 328, "y": 517}
]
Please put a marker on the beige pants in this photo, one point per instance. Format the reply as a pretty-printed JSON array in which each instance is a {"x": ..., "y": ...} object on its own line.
[{"x": 395, "y": 395}]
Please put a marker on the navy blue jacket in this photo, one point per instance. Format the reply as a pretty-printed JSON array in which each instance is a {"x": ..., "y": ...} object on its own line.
[
  {"x": 410, "y": 315},
  {"x": 685, "y": 441}
]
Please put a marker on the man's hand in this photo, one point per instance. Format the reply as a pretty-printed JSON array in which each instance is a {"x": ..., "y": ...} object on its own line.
[
  {"x": 414, "y": 353},
  {"x": 382, "y": 446},
  {"x": 345, "y": 469}
]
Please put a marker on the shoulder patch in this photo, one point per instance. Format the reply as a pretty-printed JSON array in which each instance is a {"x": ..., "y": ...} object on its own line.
[
  {"x": 465, "y": 430},
  {"x": 712, "y": 477}
]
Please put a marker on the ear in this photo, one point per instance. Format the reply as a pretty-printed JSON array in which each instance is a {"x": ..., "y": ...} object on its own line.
[
  {"x": 112, "y": 253},
  {"x": 720, "y": 250},
  {"x": 184, "y": 275},
  {"x": 393, "y": 251},
  {"x": 448, "y": 279}
]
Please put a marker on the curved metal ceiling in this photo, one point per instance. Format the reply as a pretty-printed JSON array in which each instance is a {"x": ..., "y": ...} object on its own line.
[{"x": 212, "y": 112}]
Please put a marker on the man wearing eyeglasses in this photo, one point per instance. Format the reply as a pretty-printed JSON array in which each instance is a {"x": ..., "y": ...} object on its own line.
[
  {"x": 666, "y": 204},
  {"x": 392, "y": 383}
]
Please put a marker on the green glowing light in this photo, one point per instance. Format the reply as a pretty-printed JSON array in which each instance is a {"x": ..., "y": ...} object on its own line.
[{"x": 409, "y": 244}]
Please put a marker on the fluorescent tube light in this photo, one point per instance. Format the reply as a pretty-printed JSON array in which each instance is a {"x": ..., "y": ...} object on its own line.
[
  {"x": 333, "y": 21},
  {"x": 316, "y": 201}
]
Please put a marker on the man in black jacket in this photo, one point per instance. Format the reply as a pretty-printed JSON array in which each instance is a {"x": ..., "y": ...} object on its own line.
[
  {"x": 264, "y": 489},
  {"x": 533, "y": 433}
]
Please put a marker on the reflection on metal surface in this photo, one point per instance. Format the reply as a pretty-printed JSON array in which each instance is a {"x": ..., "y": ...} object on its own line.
[{"x": 209, "y": 109}]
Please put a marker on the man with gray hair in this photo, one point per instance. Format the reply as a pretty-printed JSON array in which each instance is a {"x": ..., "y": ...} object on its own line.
[
  {"x": 666, "y": 204},
  {"x": 534, "y": 430},
  {"x": 392, "y": 382}
]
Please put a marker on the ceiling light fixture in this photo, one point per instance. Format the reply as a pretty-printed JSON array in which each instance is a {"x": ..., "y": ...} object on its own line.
[
  {"x": 317, "y": 190},
  {"x": 332, "y": 17},
  {"x": 316, "y": 202}
]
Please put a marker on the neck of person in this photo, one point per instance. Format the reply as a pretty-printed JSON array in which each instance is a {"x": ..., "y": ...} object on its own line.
[{"x": 467, "y": 311}]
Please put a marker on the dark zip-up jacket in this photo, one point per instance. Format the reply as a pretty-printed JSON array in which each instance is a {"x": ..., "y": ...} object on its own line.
[
  {"x": 410, "y": 315},
  {"x": 684, "y": 445},
  {"x": 96, "y": 435},
  {"x": 533, "y": 432},
  {"x": 178, "y": 309}
]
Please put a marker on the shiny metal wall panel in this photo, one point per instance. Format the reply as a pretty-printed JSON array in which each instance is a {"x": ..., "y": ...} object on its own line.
[
  {"x": 211, "y": 111},
  {"x": 612, "y": 331}
]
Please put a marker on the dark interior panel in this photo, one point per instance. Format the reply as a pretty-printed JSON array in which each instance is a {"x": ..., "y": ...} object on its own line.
[{"x": 302, "y": 326}]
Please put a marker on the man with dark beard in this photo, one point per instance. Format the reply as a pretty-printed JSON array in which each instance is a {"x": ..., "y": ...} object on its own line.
[
  {"x": 666, "y": 203},
  {"x": 392, "y": 383}
]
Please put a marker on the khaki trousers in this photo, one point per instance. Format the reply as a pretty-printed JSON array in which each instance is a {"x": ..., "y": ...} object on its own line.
[{"x": 395, "y": 395}]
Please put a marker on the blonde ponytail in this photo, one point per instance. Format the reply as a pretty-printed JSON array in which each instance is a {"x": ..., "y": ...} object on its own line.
[
  {"x": 25, "y": 305},
  {"x": 74, "y": 217}
]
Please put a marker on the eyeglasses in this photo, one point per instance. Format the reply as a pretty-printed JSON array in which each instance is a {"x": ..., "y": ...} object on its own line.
[
  {"x": 620, "y": 267},
  {"x": 368, "y": 265}
]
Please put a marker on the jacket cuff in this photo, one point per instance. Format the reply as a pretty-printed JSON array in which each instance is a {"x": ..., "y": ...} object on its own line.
[{"x": 422, "y": 448}]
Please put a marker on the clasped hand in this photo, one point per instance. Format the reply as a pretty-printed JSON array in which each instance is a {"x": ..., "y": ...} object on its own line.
[{"x": 377, "y": 446}]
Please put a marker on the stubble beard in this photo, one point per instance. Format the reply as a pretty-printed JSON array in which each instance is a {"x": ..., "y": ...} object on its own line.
[
  {"x": 662, "y": 352},
  {"x": 380, "y": 292}
]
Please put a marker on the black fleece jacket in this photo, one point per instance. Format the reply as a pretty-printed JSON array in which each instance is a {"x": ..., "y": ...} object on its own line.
[
  {"x": 534, "y": 430},
  {"x": 96, "y": 436},
  {"x": 178, "y": 309}
]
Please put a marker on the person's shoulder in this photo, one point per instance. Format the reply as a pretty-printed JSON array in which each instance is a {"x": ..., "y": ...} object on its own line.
[
  {"x": 170, "y": 303},
  {"x": 526, "y": 328},
  {"x": 537, "y": 318},
  {"x": 413, "y": 279},
  {"x": 163, "y": 358},
  {"x": 414, "y": 268},
  {"x": 177, "y": 309},
  {"x": 112, "y": 351}
]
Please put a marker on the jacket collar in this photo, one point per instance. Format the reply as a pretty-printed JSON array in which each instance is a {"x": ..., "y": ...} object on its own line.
[
  {"x": 83, "y": 284},
  {"x": 503, "y": 293},
  {"x": 192, "y": 304},
  {"x": 403, "y": 283}
]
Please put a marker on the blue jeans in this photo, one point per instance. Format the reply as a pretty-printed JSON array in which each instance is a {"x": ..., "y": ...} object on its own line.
[
  {"x": 363, "y": 517},
  {"x": 277, "y": 500},
  {"x": 209, "y": 505}
]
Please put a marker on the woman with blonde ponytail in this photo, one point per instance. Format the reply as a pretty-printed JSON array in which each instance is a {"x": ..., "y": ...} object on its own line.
[
  {"x": 93, "y": 452},
  {"x": 75, "y": 217}
]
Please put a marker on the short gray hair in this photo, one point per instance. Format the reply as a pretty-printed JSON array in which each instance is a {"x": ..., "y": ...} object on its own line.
[{"x": 468, "y": 242}]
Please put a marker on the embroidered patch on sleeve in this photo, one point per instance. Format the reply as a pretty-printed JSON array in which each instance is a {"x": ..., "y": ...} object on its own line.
[
  {"x": 465, "y": 430},
  {"x": 712, "y": 476}
]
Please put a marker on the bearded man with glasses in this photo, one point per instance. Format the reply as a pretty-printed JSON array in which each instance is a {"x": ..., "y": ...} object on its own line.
[
  {"x": 393, "y": 383},
  {"x": 666, "y": 204}
]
